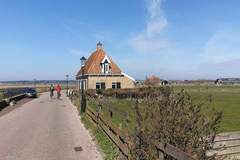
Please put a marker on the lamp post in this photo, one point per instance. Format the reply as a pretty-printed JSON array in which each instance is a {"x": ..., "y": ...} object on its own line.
[
  {"x": 67, "y": 83},
  {"x": 82, "y": 99}
]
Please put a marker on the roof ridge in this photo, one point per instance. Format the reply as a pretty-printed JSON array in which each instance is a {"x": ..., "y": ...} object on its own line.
[{"x": 92, "y": 65}]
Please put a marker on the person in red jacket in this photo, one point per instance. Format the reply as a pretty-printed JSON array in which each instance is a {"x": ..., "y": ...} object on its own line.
[{"x": 58, "y": 89}]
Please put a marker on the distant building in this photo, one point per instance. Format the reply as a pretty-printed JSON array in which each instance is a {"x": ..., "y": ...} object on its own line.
[
  {"x": 164, "y": 82},
  {"x": 227, "y": 81},
  {"x": 100, "y": 72},
  {"x": 140, "y": 83}
]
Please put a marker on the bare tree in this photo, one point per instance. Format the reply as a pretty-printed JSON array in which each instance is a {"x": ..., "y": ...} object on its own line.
[
  {"x": 173, "y": 118},
  {"x": 152, "y": 81}
]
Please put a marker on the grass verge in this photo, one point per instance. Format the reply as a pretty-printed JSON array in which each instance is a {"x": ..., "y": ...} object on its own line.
[{"x": 106, "y": 145}]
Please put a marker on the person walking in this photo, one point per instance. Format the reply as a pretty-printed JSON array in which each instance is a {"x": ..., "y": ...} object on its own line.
[
  {"x": 51, "y": 91},
  {"x": 58, "y": 89}
]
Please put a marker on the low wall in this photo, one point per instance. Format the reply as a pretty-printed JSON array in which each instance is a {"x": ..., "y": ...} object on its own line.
[
  {"x": 18, "y": 97},
  {"x": 5, "y": 103}
]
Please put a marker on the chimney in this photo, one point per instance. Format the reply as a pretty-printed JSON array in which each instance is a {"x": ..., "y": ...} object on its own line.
[{"x": 99, "y": 45}]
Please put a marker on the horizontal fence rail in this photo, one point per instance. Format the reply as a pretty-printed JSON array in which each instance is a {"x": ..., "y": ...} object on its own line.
[
  {"x": 113, "y": 132},
  {"x": 173, "y": 151},
  {"x": 226, "y": 145}
]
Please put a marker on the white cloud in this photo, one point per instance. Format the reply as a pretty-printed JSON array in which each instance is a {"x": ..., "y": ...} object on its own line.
[
  {"x": 156, "y": 20},
  {"x": 149, "y": 40},
  {"x": 143, "y": 44},
  {"x": 221, "y": 47}
]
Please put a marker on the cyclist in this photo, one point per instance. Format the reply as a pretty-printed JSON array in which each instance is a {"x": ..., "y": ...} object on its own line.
[
  {"x": 51, "y": 91},
  {"x": 58, "y": 89}
]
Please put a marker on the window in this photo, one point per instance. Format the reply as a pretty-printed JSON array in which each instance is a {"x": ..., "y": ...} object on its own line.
[
  {"x": 100, "y": 85},
  {"x": 116, "y": 85},
  {"x": 102, "y": 67},
  {"x": 105, "y": 66},
  {"x": 84, "y": 84}
]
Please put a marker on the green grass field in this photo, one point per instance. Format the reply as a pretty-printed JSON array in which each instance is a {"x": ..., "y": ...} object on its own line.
[
  {"x": 1, "y": 96},
  {"x": 224, "y": 98}
]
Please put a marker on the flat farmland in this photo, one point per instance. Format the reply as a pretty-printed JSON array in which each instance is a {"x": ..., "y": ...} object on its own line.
[{"x": 223, "y": 98}]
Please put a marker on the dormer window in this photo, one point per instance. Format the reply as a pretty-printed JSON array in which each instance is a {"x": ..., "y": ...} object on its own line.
[{"x": 105, "y": 65}]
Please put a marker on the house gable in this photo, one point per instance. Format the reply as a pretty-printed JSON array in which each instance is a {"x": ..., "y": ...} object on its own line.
[
  {"x": 94, "y": 63},
  {"x": 106, "y": 59},
  {"x": 101, "y": 72}
]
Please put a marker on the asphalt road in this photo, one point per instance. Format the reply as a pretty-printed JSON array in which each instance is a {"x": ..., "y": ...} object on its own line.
[{"x": 45, "y": 129}]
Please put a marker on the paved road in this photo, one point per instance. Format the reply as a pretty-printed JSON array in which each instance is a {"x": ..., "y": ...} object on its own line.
[{"x": 45, "y": 129}]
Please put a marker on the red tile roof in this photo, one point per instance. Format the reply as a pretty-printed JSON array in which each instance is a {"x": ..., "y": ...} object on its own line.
[{"x": 92, "y": 65}]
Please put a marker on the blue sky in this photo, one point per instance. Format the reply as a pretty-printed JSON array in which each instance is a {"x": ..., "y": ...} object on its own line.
[{"x": 173, "y": 39}]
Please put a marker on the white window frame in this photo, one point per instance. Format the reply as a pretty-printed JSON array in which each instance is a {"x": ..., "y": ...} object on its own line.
[
  {"x": 100, "y": 85},
  {"x": 106, "y": 67},
  {"x": 116, "y": 85},
  {"x": 84, "y": 81}
]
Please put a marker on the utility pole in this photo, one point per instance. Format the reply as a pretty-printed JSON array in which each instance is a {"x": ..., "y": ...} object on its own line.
[{"x": 67, "y": 83}]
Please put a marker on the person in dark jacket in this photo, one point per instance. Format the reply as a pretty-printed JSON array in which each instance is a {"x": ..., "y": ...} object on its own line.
[{"x": 51, "y": 91}]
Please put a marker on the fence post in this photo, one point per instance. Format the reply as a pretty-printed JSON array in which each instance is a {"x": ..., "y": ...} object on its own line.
[
  {"x": 99, "y": 108},
  {"x": 127, "y": 118},
  {"x": 111, "y": 114}
]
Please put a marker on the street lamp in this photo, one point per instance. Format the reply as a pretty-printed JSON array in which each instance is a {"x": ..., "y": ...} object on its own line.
[
  {"x": 82, "y": 100},
  {"x": 83, "y": 60},
  {"x": 67, "y": 83}
]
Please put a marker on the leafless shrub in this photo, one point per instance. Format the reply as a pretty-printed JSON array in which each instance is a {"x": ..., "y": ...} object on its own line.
[{"x": 172, "y": 118}]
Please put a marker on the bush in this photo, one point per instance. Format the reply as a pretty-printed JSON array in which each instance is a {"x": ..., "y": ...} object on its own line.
[
  {"x": 173, "y": 118},
  {"x": 127, "y": 93}
]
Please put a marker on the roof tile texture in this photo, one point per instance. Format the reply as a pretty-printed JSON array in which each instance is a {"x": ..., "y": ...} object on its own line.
[{"x": 92, "y": 65}]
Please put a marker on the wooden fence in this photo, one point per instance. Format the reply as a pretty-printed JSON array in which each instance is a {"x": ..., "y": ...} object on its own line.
[
  {"x": 120, "y": 140},
  {"x": 226, "y": 145}
]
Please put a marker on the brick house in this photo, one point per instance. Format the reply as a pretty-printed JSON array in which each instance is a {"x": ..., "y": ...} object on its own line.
[{"x": 100, "y": 72}]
